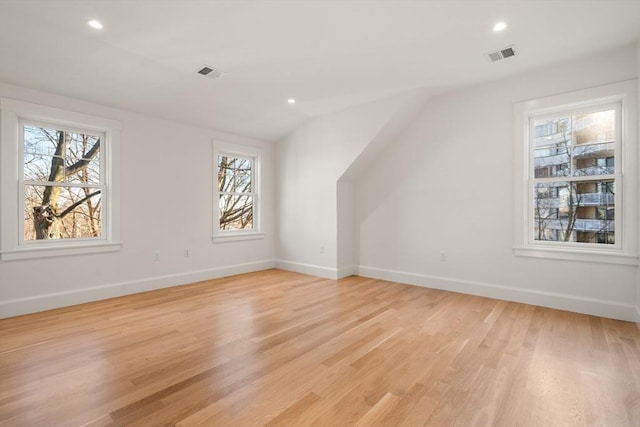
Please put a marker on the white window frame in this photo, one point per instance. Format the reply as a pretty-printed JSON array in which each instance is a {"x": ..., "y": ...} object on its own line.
[
  {"x": 243, "y": 151},
  {"x": 616, "y": 177},
  {"x": 12, "y": 244},
  {"x": 22, "y": 182},
  {"x": 625, "y": 251}
]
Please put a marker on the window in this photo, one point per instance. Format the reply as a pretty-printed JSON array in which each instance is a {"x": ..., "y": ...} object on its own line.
[
  {"x": 235, "y": 192},
  {"x": 61, "y": 184},
  {"x": 577, "y": 195},
  {"x": 583, "y": 143},
  {"x": 236, "y": 202},
  {"x": 65, "y": 201}
]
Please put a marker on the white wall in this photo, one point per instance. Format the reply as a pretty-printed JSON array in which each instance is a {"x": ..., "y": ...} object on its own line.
[
  {"x": 339, "y": 180},
  {"x": 309, "y": 163},
  {"x": 638, "y": 275},
  {"x": 451, "y": 173},
  {"x": 167, "y": 184},
  {"x": 346, "y": 243}
]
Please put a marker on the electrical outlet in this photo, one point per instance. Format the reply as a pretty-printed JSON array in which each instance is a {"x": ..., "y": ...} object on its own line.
[
  {"x": 187, "y": 253},
  {"x": 156, "y": 255},
  {"x": 321, "y": 249},
  {"x": 443, "y": 256}
]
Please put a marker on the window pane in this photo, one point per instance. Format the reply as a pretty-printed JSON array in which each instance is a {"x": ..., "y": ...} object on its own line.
[
  {"x": 77, "y": 159},
  {"x": 40, "y": 140},
  {"x": 552, "y": 145},
  {"x": 576, "y": 211},
  {"x": 236, "y": 212},
  {"x": 84, "y": 171},
  {"x": 37, "y": 167},
  {"x": 594, "y": 127},
  {"x": 53, "y": 212},
  {"x": 593, "y": 159},
  {"x": 225, "y": 173},
  {"x": 551, "y": 161},
  {"x": 82, "y": 163},
  {"x": 82, "y": 146},
  {"x": 547, "y": 201},
  {"x": 552, "y": 131},
  {"x": 234, "y": 174}
]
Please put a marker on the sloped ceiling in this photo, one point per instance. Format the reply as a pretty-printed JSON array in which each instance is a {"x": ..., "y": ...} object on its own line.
[{"x": 329, "y": 55}]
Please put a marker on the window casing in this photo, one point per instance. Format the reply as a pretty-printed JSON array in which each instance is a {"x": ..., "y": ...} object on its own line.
[
  {"x": 576, "y": 180},
  {"x": 59, "y": 182},
  {"x": 236, "y": 201}
]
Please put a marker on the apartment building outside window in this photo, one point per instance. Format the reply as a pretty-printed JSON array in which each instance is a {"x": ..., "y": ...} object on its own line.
[
  {"x": 576, "y": 193},
  {"x": 574, "y": 175}
]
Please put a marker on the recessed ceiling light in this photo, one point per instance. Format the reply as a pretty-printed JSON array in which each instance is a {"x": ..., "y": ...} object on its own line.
[
  {"x": 291, "y": 101},
  {"x": 499, "y": 27},
  {"x": 95, "y": 24}
]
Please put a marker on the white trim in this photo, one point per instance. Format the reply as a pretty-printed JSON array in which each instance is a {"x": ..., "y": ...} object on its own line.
[
  {"x": 46, "y": 114},
  {"x": 19, "y": 306},
  {"x": 61, "y": 250},
  {"x": 625, "y": 251},
  {"x": 237, "y": 236},
  {"x": 573, "y": 254},
  {"x": 609, "y": 309},
  {"x": 310, "y": 269}
]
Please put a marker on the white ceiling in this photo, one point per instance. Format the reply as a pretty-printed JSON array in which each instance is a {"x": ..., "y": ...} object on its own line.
[{"x": 329, "y": 55}]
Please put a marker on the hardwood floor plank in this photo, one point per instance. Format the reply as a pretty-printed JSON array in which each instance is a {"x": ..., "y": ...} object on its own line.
[
  {"x": 291, "y": 415},
  {"x": 284, "y": 349},
  {"x": 379, "y": 410}
]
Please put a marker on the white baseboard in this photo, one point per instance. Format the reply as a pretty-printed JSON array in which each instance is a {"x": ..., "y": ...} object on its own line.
[
  {"x": 609, "y": 309},
  {"x": 15, "y": 307},
  {"x": 311, "y": 269}
]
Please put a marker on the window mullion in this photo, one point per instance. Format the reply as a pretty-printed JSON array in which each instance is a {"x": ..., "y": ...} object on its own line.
[{"x": 576, "y": 178}]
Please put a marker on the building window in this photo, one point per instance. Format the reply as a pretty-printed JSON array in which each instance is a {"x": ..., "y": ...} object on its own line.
[
  {"x": 236, "y": 202},
  {"x": 577, "y": 173},
  {"x": 66, "y": 198}
]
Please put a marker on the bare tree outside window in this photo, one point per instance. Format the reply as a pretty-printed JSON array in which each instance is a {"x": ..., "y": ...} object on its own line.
[
  {"x": 236, "y": 192},
  {"x": 62, "y": 183}
]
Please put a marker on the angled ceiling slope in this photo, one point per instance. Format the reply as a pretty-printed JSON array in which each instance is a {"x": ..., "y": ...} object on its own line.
[{"x": 327, "y": 55}]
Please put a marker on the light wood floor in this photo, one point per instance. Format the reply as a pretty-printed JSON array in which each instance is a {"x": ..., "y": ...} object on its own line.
[{"x": 283, "y": 349}]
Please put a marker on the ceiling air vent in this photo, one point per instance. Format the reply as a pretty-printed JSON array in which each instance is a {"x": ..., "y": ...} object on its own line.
[
  {"x": 210, "y": 72},
  {"x": 501, "y": 54}
]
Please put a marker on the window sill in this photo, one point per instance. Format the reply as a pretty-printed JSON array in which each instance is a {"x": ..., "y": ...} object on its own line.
[
  {"x": 59, "y": 250},
  {"x": 234, "y": 237},
  {"x": 578, "y": 255}
]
